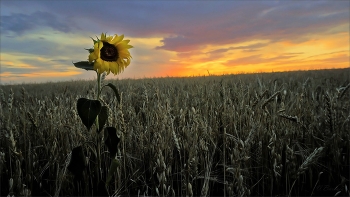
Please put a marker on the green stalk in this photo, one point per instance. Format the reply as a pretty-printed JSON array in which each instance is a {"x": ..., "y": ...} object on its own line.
[
  {"x": 98, "y": 94},
  {"x": 97, "y": 125}
]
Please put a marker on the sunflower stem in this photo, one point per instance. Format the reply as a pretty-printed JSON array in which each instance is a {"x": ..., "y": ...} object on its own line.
[
  {"x": 98, "y": 94},
  {"x": 98, "y": 170},
  {"x": 98, "y": 85}
]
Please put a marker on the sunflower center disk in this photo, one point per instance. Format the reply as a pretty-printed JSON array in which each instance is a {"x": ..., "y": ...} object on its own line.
[{"x": 109, "y": 52}]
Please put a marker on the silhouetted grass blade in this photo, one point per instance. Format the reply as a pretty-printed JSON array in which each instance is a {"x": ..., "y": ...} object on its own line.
[{"x": 113, "y": 168}]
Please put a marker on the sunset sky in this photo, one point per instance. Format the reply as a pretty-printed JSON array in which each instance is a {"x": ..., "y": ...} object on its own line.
[{"x": 40, "y": 39}]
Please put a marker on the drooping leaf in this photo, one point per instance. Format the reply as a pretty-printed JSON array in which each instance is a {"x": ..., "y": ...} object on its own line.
[
  {"x": 102, "y": 118},
  {"x": 113, "y": 168},
  {"x": 115, "y": 91},
  {"x": 112, "y": 140},
  {"x": 84, "y": 65},
  {"x": 88, "y": 111},
  {"x": 77, "y": 162}
]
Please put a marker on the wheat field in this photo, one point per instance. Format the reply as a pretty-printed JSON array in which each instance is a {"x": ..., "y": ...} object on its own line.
[{"x": 235, "y": 135}]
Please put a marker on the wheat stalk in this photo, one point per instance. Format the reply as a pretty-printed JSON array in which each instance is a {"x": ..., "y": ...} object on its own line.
[{"x": 311, "y": 159}]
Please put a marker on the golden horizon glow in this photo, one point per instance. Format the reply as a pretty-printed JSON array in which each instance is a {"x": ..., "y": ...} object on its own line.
[{"x": 314, "y": 52}]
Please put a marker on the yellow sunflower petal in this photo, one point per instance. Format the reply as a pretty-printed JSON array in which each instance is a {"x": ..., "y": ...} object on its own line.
[
  {"x": 102, "y": 67},
  {"x": 96, "y": 47},
  {"x": 120, "y": 62},
  {"x": 117, "y": 70},
  {"x": 120, "y": 69},
  {"x": 109, "y": 38},
  {"x": 103, "y": 36},
  {"x": 105, "y": 66},
  {"x": 127, "y": 61},
  {"x": 122, "y": 46},
  {"x": 124, "y": 42},
  {"x": 113, "y": 66},
  {"x": 100, "y": 45},
  {"x": 92, "y": 57},
  {"x": 117, "y": 39},
  {"x": 124, "y": 55},
  {"x": 112, "y": 70},
  {"x": 97, "y": 66}
]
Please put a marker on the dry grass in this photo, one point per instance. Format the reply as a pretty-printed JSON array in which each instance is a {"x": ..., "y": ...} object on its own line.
[{"x": 262, "y": 134}]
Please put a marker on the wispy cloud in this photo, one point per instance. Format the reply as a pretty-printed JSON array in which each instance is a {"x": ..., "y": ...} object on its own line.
[
  {"x": 21, "y": 23},
  {"x": 289, "y": 21}
]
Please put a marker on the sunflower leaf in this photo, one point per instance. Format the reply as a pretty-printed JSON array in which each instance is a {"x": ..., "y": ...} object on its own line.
[
  {"x": 88, "y": 111},
  {"x": 112, "y": 140},
  {"x": 115, "y": 90},
  {"x": 90, "y": 50},
  {"x": 84, "y": 65},
  {"x": 77, "y": 162},
  {"x": 95, "y": 41}
]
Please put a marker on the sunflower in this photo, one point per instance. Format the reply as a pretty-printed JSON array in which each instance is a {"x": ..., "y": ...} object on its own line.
[{"x": 110, "y": 54}]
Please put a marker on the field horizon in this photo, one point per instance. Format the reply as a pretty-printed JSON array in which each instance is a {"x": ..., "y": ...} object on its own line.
[{"x": 175, "y": 77}]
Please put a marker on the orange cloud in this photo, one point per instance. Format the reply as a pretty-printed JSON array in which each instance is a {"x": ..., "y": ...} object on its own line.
[
  {"x": 19, "y": 65},
  {"x": 315, "y": 52}
]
